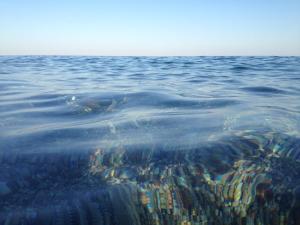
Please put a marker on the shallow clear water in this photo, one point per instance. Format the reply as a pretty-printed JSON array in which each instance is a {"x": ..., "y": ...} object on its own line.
[
  {"x": 76, "y": 103},
  {"x": 56, "y": 107}
]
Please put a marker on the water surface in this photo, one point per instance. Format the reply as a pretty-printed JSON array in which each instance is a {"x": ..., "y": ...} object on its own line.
[{"x": 72, "y": 128}]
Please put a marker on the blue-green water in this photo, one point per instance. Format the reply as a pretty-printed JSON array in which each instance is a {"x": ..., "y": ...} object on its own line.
[{"x": 149, "y": 140}]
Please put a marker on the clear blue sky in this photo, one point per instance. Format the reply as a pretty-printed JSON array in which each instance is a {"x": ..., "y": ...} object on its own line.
[{"x": 150, "y": 27}]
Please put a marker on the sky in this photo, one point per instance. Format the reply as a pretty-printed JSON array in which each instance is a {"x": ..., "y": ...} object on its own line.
[{"x": 150, "y": 27}]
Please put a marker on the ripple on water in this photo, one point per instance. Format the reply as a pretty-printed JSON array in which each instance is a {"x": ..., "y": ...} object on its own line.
[
  {"x": 240, "y": 68},
  {"x": 264, "y": 90}
]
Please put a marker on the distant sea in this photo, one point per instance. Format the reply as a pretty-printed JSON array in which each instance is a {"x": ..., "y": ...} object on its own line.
[{"x": 149, "y": 140}]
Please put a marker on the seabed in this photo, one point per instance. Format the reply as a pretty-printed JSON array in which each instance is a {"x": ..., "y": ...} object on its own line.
[{"x": 249, "y": 178}]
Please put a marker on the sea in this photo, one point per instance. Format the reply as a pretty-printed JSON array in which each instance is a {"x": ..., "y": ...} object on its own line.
[{"x": 149, "y": 140}]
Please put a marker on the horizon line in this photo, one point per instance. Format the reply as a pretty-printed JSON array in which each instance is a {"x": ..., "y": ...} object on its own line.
[{"x": 99, "y": 55}]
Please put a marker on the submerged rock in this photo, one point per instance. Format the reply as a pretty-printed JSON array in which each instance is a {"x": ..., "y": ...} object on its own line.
[{"x": 249, "y": 178}]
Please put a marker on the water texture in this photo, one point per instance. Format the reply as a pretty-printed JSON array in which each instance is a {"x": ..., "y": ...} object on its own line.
[{"x": 149, "y": 140}]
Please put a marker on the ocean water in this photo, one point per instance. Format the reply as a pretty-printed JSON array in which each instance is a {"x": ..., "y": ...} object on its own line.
[{"x": 149, "y": 140}]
